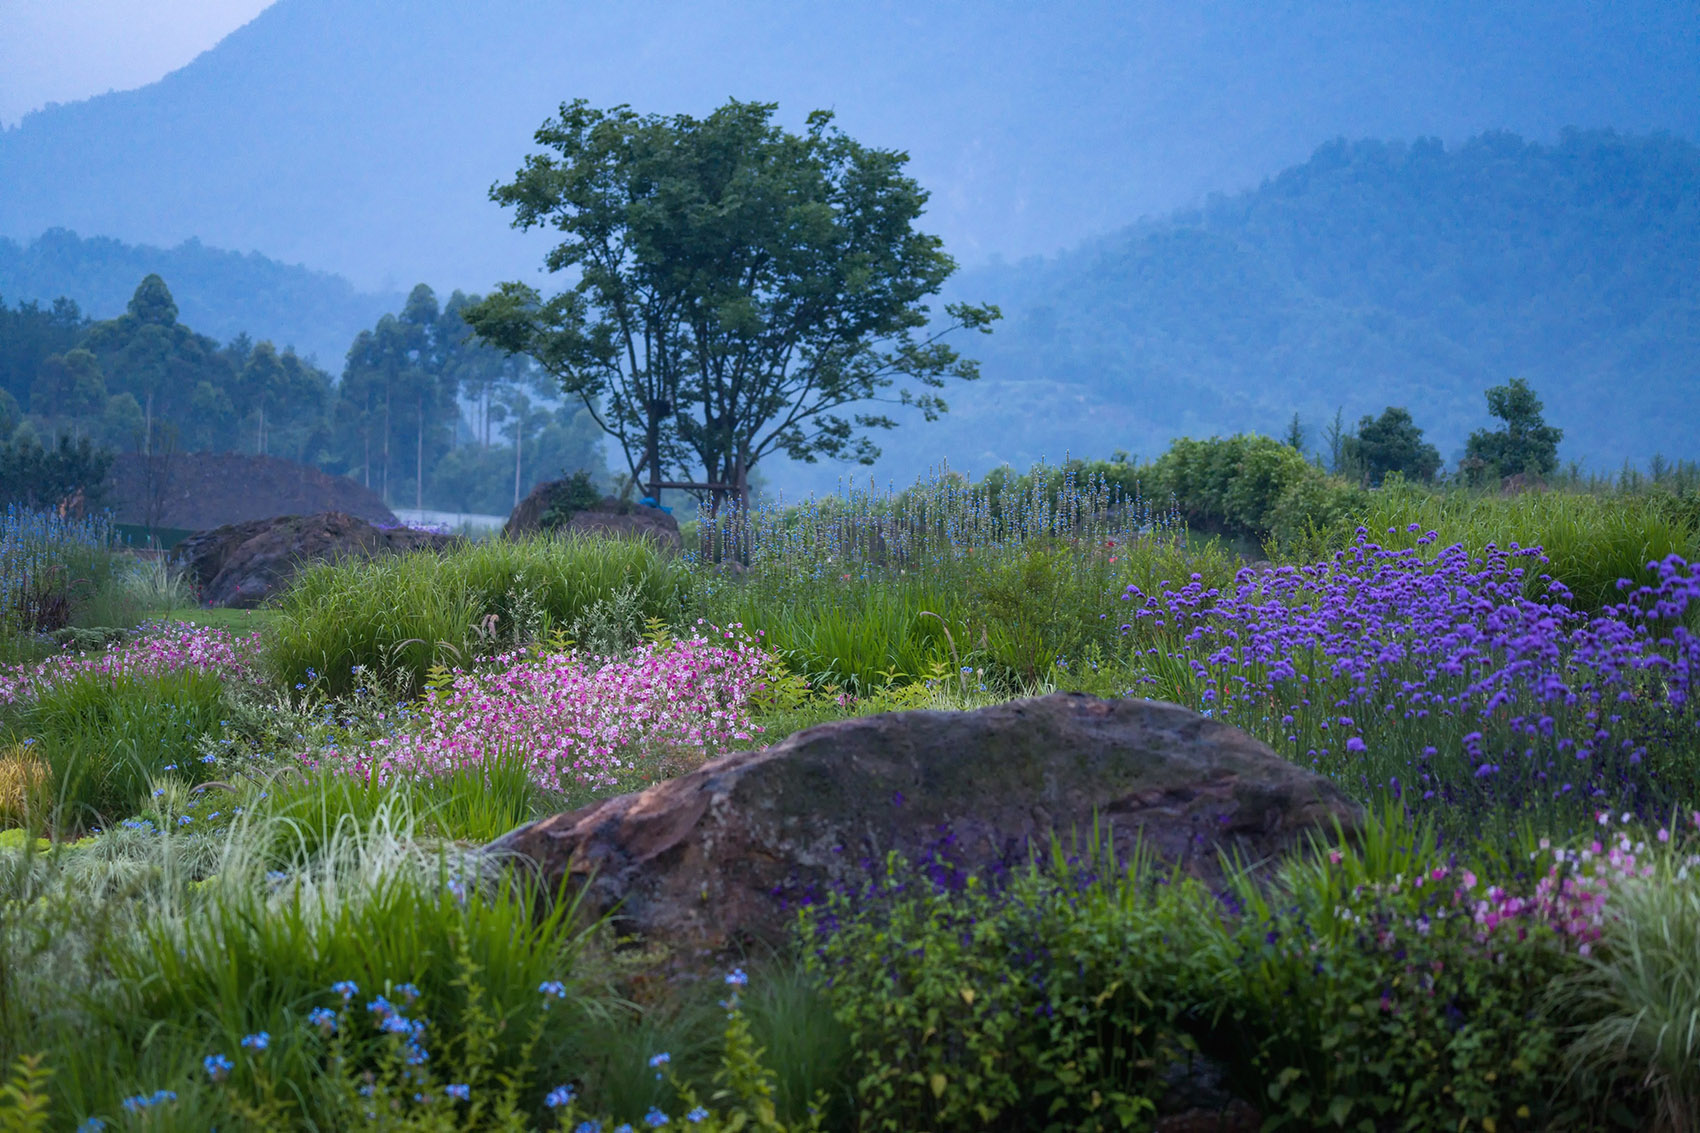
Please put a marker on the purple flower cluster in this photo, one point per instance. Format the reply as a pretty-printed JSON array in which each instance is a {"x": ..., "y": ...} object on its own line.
[{"x": 1438, "y": 676}]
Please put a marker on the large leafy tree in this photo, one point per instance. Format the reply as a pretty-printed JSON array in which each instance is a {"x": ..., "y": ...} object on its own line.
[
  {"x": 1524, "y": 444},
  {"x": 736, "y": 289},
  {"x": 1390, "y": 443},
  {"x": 150, "y": 356}
]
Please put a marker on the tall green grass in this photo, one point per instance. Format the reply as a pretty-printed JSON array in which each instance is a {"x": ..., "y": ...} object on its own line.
[
  {"x": 105, "y": 739},
  {"x": 250, "y": 950},
  {"x": 403, "y": 614},
  {"x": 1591, "y": 540}
]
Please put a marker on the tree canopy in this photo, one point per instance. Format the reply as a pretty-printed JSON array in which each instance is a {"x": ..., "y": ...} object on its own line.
[
  {"x": 737, "y": 290},
  {"x": 1525, "y": 445},
  {"x": 1390, "y": 443}
]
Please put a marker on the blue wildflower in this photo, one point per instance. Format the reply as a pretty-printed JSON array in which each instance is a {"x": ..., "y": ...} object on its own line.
[
  {"x": 559, "y": 1096},
  {"x": 259, "y": 1040},
  {"x": 218, "y": 1067},
  {"x": 458, "y": 1090}
]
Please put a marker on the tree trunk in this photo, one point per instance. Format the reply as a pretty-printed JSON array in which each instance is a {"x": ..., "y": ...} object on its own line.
[
  {"x": 419, "y": 461},
  {"x": 519, "y": 444},
  {"x": 386, "y": 479}
]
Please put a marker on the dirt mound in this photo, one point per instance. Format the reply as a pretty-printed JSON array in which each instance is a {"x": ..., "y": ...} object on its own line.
[
  {"x": 198, "y": 491},
  {"x": 244, "y": 564}
]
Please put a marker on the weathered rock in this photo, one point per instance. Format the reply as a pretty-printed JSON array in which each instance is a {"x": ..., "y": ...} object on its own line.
[
  {"x": 608, "y": 518},
  {"x": 244, "y": 564},
  {"x": 696, "y": 860}
]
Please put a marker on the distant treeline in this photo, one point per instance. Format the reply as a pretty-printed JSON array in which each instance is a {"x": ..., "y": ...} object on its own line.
[
  {"x": 420, "y": 414},
  {"x": 1374, "y": 274}
]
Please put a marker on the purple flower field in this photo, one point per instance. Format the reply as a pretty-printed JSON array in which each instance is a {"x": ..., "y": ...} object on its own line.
[{"x": 1434, "y": 680}]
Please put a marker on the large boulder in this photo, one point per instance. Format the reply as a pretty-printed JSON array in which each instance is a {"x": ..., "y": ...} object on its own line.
[
  {"x": 696, "y": 861},
  {"x": 608, "y": 517},
  {"x": 244, "y": 564}
]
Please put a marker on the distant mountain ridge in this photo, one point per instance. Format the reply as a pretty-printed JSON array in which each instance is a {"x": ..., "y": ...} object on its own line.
[
  {"x": 362, "y": 137},
  {"x": 219, "y": 293},
  {"x": 1374, "y": 274}
]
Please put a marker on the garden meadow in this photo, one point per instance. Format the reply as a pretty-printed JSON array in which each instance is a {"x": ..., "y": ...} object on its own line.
[{"x": 238, "y": 890}]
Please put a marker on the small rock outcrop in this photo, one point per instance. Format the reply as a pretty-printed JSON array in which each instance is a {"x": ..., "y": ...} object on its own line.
[
  {"x": 696, "y": 861},
  {"x": 244, "y": 564},
  {"x": 608, "y": 517}
]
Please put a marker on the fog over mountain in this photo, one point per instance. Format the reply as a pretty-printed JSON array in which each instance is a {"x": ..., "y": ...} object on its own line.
[
  {"x": 361, "y": 138},
  {"x": 1162, "y": 197}
]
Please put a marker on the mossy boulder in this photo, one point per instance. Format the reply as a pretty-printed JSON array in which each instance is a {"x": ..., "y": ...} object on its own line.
[{"x": 697, "y": 861}]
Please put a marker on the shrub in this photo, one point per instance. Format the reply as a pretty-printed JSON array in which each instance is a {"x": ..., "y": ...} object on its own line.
[
  {"x": 1229, "y": 485},
  {"x": 1040, "y": 1000},
  {"x": 401, "y": 615}
]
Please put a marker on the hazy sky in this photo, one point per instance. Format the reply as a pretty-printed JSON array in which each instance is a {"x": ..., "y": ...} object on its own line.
[{"x": 62, "y": 50}]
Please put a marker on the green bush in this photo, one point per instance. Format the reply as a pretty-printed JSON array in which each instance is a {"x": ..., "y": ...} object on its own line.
[
  {"x": 1312, "y": 516},
  {"x": 1229, "y": 485},
  {"x": 399, "y": 616},
  {"x": 1040, "y": 1004},
  {"x": 107, "y": 739},
  {"x": 1357, "y": 987},
  {"x": 577, "y": 494}
]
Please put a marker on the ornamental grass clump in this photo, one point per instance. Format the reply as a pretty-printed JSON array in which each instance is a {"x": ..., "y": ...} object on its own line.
[
  {"x": 401, "y": 615},
  {"x": 48, "y": 563},
  {"x": 575, "y": 720},
  {"x": 108, "y": 725},
  {"x": 1437, "y": 682}
]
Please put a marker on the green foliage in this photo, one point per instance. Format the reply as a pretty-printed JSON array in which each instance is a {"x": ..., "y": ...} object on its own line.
[
  {"x": 1390, "y": 443},
  {"x": 106, "y": 739},
  {"x": 1637, "y": 1001},
  {"x": 1311, "y": 515},
  {"x": 1229, "y": 486},
  {"x": 1357, "y": 993},
  {"x": 23, "y": 1099},
  {"x": 1526, "y": 445},
  {"x": 577, "y": 494},
  {"x": 1035, "y": 1004},
  {"x": 38, "y": 477},
  {"x": 1352, "y": 988},
  {"x": 398, "y": 616},
  {"x": 782, "y": 270}
]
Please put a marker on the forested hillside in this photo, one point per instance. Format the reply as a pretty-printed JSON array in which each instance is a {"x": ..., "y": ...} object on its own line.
[
  {"x": 421, "y": 414},
  {"x": 218, "y": 292},
  {"x": 1375, "y": 274}
]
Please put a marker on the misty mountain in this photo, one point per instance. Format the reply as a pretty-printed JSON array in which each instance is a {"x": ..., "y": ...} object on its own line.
[
  {"x": 1372, "y": 275},
  {"x": 219, "y": 293},
  {"x": 362, "y": 138}
]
